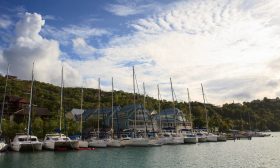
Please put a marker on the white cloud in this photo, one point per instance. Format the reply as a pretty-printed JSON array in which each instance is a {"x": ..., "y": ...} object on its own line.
[
  {"x": 82, "y": 48},
  {"x": 28, "y": 46},
  {"x": 5, "y": 22},
  {"x": 65, "y": 34},
  {"x": 205, "y": 41}
]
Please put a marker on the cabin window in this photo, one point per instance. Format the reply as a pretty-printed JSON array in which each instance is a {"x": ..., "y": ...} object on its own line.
[
  {"x": 33, "y": 139},
  {"x": 21, "y": 139}
]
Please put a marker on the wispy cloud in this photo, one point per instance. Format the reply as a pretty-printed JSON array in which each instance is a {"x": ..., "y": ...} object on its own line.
[
  {"x": 128, "y": 8},
  {"x": 5, "y": 22},
  {"x": 82, "y": 48}
]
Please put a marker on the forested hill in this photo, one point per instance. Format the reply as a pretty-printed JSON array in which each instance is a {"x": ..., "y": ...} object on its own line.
[{"x": 258, "y": 114}]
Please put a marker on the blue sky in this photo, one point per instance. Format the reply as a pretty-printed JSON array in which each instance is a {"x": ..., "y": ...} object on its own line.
[{"x": 231, "y": 46}]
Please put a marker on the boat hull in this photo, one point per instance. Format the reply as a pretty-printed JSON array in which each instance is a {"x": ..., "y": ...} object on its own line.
[
  {"x": 138, "y": 142},
  {"x": 100, "y": 143},
  {"x": 190, "y": 140},
  {"x": 212, "y": 138},
  {"x": 52, "y": 145},
  {"x": 3, "y": 146},
  {"x": 26, "y": 146},
  {"x": 222, "y": 138},
  {"x": 113, "y": 143},
  {"x": 83, "y": 144},
  {"x": 202, "y": 139}
]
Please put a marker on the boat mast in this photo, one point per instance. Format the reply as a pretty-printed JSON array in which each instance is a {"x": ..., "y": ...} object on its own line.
[
  {"x": 4, "y": 97},
  {"x": 206, "y": 112},
  {"x": 134, "y": 103},
  {"x": 98, "y": 111},
  {"x": 30, "y": 102},
  {"x": 82, "y": 100},
  {"x": 159, "y": 109},
  {"x": 61, "y": 99},
  {"x": 112, "y": 107},
  {"x": 190, "y": 109},
  {"x": 174, "y": 110},
  {"x": 144, "y": 108}
]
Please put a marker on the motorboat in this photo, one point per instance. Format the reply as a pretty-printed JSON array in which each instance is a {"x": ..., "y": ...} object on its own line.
[
  {"x": 24, "y": 142},
  {"x": 189, "y": 136}
]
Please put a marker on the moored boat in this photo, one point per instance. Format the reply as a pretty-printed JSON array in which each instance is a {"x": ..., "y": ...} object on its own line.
[
  {"x": 57, "y": 141},
  {"x": 24, "y": 142}
]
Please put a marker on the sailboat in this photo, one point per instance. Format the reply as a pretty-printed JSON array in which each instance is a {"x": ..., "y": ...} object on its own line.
[
  {"x": 22, "y": 142},
  {"x": 135, "y": 140},
  {"x": 164, "y": 138},
  {"x": 210, "y": 137},
  {"x": 82, "y": 143},
  {"x": 153, "y": 140},
  {"x": 94, "y": 140},
  {"x": 3, "y": 145},
  {"x": 189, "y": 136},
  {"x": 177, "y": 137},
  {"x": 59, "y": 141},
  {"x": 112, "y": 142}
]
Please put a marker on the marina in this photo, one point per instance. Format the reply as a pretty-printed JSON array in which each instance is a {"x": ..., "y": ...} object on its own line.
[{"x": 258, "y": 152}]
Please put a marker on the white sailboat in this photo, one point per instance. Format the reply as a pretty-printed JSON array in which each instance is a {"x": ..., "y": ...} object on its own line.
[
  {"x": 112, "y": 142},
  {"x": 177, "y": 137},
  {"x": 154, "y": 140},
  {"x": 58, "y": 140},
  {"x": 22, "y": 142},
  {"x": 82, "y": 143},
  {"x": 136, "y": 140},
  {"x": 3, "y": 145},
  {"x": 94, "y": 140},
  {"x": 209, "y": 136},
  {"x": 189, "y": 136}
]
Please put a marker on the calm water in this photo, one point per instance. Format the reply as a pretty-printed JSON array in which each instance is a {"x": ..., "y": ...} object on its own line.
[{"x": 259, "y": 152}]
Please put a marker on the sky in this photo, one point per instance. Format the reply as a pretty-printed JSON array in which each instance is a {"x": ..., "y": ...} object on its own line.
[{"x": 232, "y": 47}]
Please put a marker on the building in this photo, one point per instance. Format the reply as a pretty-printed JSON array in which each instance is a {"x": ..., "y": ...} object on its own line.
[{"x": 169, "y": 118}]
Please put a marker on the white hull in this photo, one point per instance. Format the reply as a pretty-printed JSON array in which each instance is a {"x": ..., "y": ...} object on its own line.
[
  {"x": 52, "y": 145},
  {"x": 191, "y": 140},
  {"x": 212, "y": 138},
  {"x": 155, "y": 142},
  {"x": 138, "y": 142},
  {"x": 3, "y": 146},
  {"x": 97, "y": 143},
  {"x": 26, "y": 146},
  {"x": 83, "y": 144},
  {"x": 113, "y": 143},
  {"x": 222, "y": 138}
]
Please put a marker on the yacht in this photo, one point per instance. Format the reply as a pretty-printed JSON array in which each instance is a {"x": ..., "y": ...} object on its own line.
[
  {"x": 94, "y": 141},
  {"x": 201, "y": 137},
  {"x": 24, "y": 142},
  {"x": 81, "y": 143},
  {"x": 113, "y": 142},
  {"x": 189, "y": 137},
  {"x": 57, "y": 141},
  {"x": 211, "y": 137},
  {"x": 27, "y": 141},
  {"x": 222, "y": 137}
]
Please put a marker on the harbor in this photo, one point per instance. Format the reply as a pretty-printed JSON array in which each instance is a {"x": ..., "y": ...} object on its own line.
[{"x": 259, "y": 152}]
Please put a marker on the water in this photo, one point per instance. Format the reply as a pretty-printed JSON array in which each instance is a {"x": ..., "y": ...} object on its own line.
[{"x": 259, "y": 153}]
